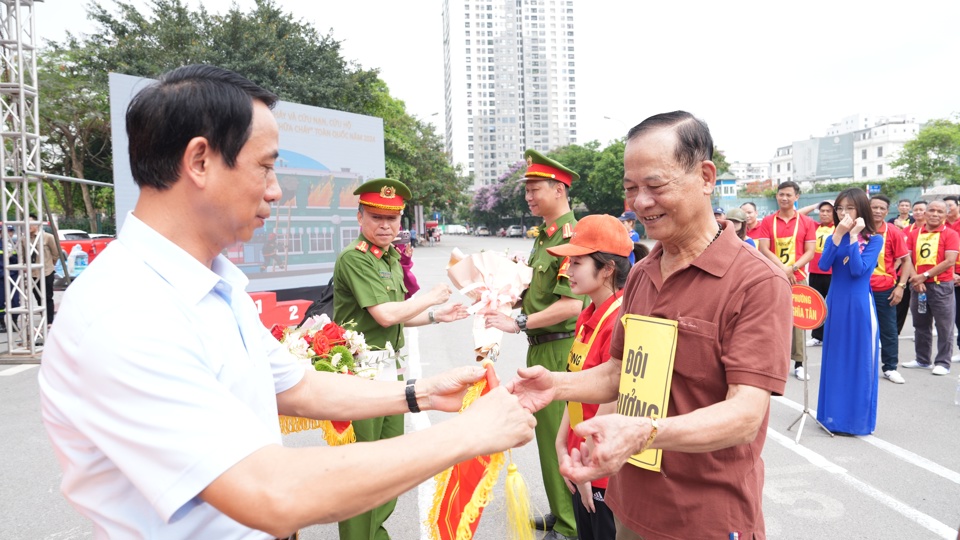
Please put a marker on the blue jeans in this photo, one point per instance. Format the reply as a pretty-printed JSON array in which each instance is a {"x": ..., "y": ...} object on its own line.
[{"x": 887, "y": 323}]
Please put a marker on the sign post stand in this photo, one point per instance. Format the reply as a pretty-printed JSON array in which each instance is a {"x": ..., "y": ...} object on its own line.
[{"x": 809, "y": 312}]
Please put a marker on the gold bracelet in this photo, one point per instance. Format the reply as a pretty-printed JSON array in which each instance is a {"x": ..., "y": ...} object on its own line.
[{"x": 655, "y": 427}]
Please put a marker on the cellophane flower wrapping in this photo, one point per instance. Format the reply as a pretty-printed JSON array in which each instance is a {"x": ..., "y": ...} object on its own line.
[{"x": 491, "y": 280}]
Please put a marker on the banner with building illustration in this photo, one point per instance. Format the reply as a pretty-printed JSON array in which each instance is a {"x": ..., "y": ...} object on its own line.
[{"x": 324, "y": 155}]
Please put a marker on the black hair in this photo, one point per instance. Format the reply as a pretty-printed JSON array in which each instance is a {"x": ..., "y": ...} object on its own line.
[
  {"x": 953, "y": 198},
  {"x": 883, "y": 198},
  {"x": 902, "y": 200},
  {"x": 751, "y": 204},
  {"x": 639, "y": 251},
  {"x": 789, "y": 184},
  {"x": 918, "y": 202},
  {"x": 621, "y": 266},
  {"x": 553, "y": 183},
  {"x": 862, "y": 204},
  {"x": 187, "y": 102},
  {"x": 694, "y": 143}
]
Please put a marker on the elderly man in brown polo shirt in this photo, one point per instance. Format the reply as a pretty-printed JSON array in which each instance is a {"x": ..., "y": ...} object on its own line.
[{"x": 731, "y": 309}]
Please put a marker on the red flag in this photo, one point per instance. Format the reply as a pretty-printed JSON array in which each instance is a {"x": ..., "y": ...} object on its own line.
[{"x": 466, "y": 488}]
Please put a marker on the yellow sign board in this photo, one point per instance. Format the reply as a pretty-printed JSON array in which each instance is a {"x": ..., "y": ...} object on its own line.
[{"x": 650, "y": 345}]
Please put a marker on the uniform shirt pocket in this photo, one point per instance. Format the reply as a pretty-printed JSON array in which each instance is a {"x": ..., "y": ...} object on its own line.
[{"x": 697, "y": 347}]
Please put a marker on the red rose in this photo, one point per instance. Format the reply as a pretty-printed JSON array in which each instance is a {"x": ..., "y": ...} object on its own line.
[
  {"x": 277, "y": 331},
  {"x": 334, "y": 334},
  {"x": 321, "y": 344}
]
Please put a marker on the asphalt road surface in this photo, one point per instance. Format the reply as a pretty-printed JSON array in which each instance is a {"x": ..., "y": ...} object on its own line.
[{"x": 901, "y": 482}]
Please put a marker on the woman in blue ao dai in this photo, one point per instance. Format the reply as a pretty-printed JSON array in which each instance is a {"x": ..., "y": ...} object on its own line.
[{"x": 847, "y": 401}]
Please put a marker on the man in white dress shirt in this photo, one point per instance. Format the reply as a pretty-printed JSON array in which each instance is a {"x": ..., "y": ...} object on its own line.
[{"x": 160, "y": 389}]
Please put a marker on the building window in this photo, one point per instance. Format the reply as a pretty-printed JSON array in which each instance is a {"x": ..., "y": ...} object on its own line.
[
  {"x": 879, "y": 151},
  {"x": 292, "y": 239},
  {"x": 778, "y": 167},
  {"x": 321, "y": 241},
  {"x": 879, "y": 170},
  {"x": 863, "y": 154},
  {"x": 863, "y": 171},
  {"x": 348, "y": 235},
  {"x": 788, "y": 166}
]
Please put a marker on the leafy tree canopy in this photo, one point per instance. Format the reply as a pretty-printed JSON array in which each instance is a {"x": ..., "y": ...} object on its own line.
[
  {"x": 265, "y": 44},
  {"x": 933, "y": 155}
]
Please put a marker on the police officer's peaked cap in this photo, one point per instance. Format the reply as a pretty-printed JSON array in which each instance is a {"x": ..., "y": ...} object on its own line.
[
  {"x": 384, "y": 193},
  {"x": 540, "y": 167}
]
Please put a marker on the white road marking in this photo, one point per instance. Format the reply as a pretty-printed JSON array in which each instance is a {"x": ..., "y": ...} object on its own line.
[
  {"x": 17, "y": 369},
  {"x": 940, "y": 529},
  {"x": 902, "y": 453},
  {"x": 420, "y": 422}
]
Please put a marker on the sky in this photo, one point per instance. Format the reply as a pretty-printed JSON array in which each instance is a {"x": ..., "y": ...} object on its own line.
[{"x": 761, "y": 74}]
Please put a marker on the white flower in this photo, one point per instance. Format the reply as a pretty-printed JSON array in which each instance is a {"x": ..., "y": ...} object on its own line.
[
  {"x": 299, "y": 348},
  {"x": 335, "y": 359},
  {"x": 355, "y": 342},
  {"x": 316, "y": 322}
]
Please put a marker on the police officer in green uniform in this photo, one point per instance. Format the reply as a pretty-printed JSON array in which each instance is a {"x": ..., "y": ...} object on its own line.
[
  {"x": 368, "y": 290},
  {"x": 549, "y": 317}
]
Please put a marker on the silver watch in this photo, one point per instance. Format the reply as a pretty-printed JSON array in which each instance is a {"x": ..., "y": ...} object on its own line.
[{"x": 521, "y": 321}]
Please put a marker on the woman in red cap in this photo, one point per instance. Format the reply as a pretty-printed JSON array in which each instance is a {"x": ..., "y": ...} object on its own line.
[{"x": 596, "y": 265}]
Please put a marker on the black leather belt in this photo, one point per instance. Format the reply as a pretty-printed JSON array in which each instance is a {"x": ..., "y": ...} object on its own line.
[{"x": 547, "y": 338}]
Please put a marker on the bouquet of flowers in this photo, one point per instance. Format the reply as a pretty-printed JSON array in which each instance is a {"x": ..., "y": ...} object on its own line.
[
  {"x": 492, "y": 281},
  {"x": 327, "y": 346}
]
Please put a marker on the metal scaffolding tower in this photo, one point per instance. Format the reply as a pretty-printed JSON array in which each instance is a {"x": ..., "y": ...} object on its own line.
[{"x": 21, "y": 191}]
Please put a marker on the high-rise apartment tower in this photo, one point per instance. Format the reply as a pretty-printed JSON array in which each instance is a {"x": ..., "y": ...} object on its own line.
[{"x": 509, "y": 81}]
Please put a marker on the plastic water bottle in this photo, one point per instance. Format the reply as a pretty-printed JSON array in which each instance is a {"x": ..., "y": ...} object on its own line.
[
  {"x": 922, "y": 303},
  {"x": 80, "y": 264}
]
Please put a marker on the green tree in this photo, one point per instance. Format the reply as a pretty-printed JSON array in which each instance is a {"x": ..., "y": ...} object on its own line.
[
  {"x": 268, "y": 46},
  {"x": 600, "y": 187},
  {"x": 602, "y": 193},
  {"x": 720, "y": 160},
  {"x": 933, "y": 155},
  {"x": 76, "y": 131}
]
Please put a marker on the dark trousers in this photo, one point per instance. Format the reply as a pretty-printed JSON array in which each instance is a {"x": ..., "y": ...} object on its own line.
[
  {"x": 956, "y": 297},
  {"x": 821, "y": 283},
  {"x": 887, "y": 323},
  {"x": 48, "y": 281},
  {"x": 940, "y": 312},
  {"x": 598, "y": 525},
  {"x": 902, "y": 309}
]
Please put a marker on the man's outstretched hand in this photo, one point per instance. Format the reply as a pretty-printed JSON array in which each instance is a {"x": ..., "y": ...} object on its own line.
[{"x": 534, "y": 387}]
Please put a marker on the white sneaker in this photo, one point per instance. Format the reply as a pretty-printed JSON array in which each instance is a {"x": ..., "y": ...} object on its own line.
[
  {"x": 940, "y": 370},
  {"x": 800, "y": 374},
  {"x": 955, "y": 358},
  {"x": 893, "y": 376},
  {"x": 814, "y": 342},
  {"x": 916, "y": 365}
]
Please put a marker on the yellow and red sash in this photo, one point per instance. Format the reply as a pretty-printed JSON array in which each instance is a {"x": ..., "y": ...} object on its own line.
[
  {"x": 823, "y": 232},
  {"x": 578, "y": 355},
  {"x": 926, "y": 248},
  {"x": 786, "y": 247},
  {"x": 881, "y": 269}
]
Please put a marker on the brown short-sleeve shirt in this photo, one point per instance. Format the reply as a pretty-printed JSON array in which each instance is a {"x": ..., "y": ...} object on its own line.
[{"x": 735, "y": 321}]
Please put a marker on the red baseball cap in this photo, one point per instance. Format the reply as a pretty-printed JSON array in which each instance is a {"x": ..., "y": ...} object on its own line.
[{"x": 599, "y": 232}]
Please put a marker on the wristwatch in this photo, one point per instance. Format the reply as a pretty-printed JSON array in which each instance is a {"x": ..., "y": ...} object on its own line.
[
  {"x": 902, "y": 285},
  {"x": 521, "y": 321},
  {"x": 926, "y": 275},
  {"x": 794, "y": 268}
]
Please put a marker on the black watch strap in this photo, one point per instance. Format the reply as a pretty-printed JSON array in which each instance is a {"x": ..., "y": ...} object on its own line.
[{"x": 411, "y": 393}]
